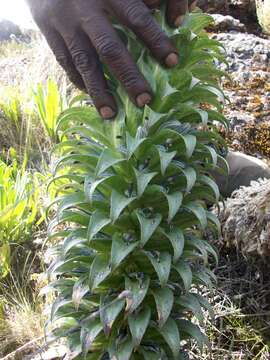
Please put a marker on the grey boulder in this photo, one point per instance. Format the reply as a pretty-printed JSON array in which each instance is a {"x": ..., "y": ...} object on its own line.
[{"x": 242, "y": 170}]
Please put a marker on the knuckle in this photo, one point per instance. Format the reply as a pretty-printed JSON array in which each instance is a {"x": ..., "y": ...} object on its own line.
[
  {"x": 152, "y": 3},
  {"x": 95, "y": 92},
  {"x": 138, "y": 16},
  {"x": 108, "y": 50},
  {"x": 158, "y": 38},
  {"x": 129, "y": 78},
  {"x": 62, "y": 60},
  {"x": 76, "y": 80},
  {"x": 81, "y": 61}
]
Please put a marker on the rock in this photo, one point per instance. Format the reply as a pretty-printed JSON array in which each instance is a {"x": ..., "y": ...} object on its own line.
[
  {"x": 8, "y": 28},
  {"x": 263, "y": 13},
  {"x": 227, "y": 23},
  {"x": 248, "y": 59},
  {"x": 245, "y": 219},
  {"x": 247, "y": 5},
  {"x": 228, "y": 6},
  {"x": 239, "y": 118},
  {"x": 242, "y": 170},
  {"x": 246, "y": 53},
  {"x": 213, "y": 6}
]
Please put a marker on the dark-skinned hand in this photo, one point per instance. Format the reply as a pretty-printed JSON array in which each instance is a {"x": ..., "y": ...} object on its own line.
[{"x": 82, "y": 37}]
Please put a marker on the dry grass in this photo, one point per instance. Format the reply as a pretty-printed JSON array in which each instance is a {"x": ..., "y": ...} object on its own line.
[
  {"x": 241, "y": 301},
  {"x": 22, "y": 317},
  {"x": 21, "y": 325},
  {"x": 22, "y": 66}
]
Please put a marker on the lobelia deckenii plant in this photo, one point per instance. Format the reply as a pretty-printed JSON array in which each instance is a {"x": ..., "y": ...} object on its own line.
[{"x": 131, "y": 213}]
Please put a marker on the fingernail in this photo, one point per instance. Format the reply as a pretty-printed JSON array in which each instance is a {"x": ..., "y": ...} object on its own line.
[
  {"x": 171, "y": 60},
  {"x": 179, "y": 20},
  {"x": 106, "y": 112},
  {"x": 143, "y": 99}
]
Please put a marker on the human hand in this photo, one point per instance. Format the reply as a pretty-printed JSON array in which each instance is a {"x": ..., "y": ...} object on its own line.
[{"x": 82, "y": 37}]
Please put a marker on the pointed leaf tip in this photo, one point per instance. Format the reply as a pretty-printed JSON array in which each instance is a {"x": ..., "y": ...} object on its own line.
[{"x": 118, "y": 204}]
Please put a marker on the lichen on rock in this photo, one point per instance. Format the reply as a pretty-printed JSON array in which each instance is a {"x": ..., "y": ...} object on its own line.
[
  {"x": 245, "y": 219},
  {"x": 263, "y": 13}
]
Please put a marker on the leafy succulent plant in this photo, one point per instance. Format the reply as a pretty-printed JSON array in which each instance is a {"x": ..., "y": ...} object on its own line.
[{"x": 132, "y": 200}]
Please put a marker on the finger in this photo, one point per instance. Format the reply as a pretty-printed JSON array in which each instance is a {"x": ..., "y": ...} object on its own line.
[
  {"x": 152, "y": 4},
  {"x": 113, "y": 53},
  {"x": 192, "y": 5},
  {"x": 87, "y": 63},
  {"x": 136, "y": 16},
  {"x": 176, "y": 11},
  {"x": 63, "y": 57}
]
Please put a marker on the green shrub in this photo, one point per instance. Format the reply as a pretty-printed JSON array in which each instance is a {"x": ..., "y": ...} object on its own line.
[
  {"x": 48, "y": 104},
  {"x": 19, "y": 208},
  {"x": 12, "y": 111},
  {"x": 12, "y": 121},
  {"x": 132, "y": 212},
  {"x": 19, "y": 128}
]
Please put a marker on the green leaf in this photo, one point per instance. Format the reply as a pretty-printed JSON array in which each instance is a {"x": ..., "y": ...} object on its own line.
[
  {"x": 138, "y": 324},
  {"x": 118, "y": 203},
  {"x": 89, "y": 118},
  {"x": 189, "y": 173},
  {"x": 199, "y": 245},
  {"x": 107, "y": 159},
  {"x": 185, "y": 273},
  {"x": 171, "y": 335},
  {"x": 162, "y": 265},
  {"x": 148, "y": 226},
  {"x": 77, "y": 237},
  {"x": 206, "y": 305},
  {"x": 180, "y": 78},
  {"x": 151, "y": 118},
  {"x": 197, "y": 21},
  {"x": 209, "y": 248},
  {"x": 214, "y": 219},
  {"x": 109, "y": 310},
  {"x": 91, "y": 185},
  {"x": 193, "y": 331},
  {"x": 177, "y": 240},
  {"x": 203, "y": 277},
  {"x": 165, "y": 159},
  {"x": 213, "y": 154},
  {"x": 123, "y": 351},
  {"x": 120, "y": 249},
  {"x": 89, "y": 333},
  {"x": 199, "y": 212},
  {"x": 164, "y": 299},
  {"x": 99, "y": 271},
  {"x": 190, "y": 143},
  {"x": 88, "y": 161},
  {"x": 153, "y": 352},
  {"x": 97, "y": 222},
  {"x": 203, "y": 115},
  {"x": 138, "y": 290},
  {"x": 132, "y": 144},
  {"x": 143, "y": 180},
  {"x": 211, "y": 183},
  {"x": 174, "y": 202},
  {"x": 191, "y": 303},
  {"x": 80, "y": 289}
]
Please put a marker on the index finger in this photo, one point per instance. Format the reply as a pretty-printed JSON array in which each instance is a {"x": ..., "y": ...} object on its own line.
[
  {"x": 176, "y": 11},
  {"x": 152, "y": 4}
]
